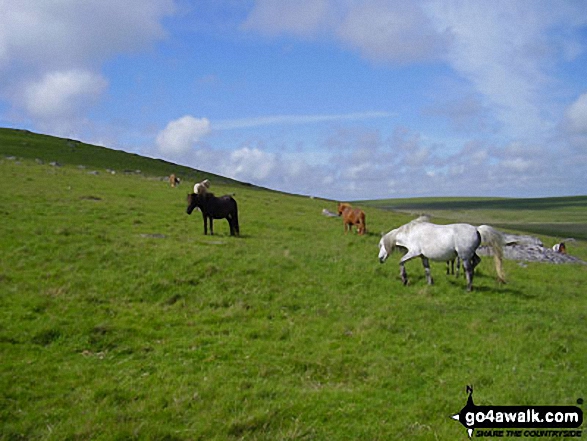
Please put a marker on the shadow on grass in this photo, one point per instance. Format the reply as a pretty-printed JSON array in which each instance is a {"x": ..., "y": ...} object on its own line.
[{"x": 498, "y": 288}]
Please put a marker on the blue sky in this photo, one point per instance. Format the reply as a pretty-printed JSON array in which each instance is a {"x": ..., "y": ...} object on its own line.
[{"x": 344, "y": 99}]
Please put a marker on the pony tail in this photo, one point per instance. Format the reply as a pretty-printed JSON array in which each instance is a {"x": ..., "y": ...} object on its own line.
[{"x": 495, "y": 240}]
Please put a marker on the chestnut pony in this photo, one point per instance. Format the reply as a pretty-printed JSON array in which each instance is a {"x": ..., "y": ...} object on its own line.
[{"x": 352, "y": 216}]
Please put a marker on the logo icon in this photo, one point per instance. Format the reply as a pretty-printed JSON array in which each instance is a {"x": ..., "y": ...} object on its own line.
[{"x": 519, "y": 417}]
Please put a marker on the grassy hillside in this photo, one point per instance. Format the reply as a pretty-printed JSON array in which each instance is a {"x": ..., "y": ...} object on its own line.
[
  {"x": 47, "y": 149},
  {"x": 119, "y": 319},
  {"x": 560, "y": 217}
]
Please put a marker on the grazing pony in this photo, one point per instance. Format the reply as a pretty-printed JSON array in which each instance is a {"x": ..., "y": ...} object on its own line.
[
  {"x": 202, "y": 187},
  {"x": 173, "y": 180},
  {"x": 212, "y": 208},
  {"x": 352, "y": 216},
  {"x": 442, "y": 243}
]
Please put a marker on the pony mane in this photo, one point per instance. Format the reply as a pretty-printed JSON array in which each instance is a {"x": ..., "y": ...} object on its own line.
[
  {"x": 389, "y": 239},
  {"x": 406, "y": 228}
]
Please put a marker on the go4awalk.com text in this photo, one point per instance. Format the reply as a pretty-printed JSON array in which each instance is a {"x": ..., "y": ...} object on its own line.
[{"x": 520, "y": 421}]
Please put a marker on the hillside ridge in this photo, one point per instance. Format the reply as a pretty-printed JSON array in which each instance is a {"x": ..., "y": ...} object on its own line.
[{"x": 65, "y": 151}]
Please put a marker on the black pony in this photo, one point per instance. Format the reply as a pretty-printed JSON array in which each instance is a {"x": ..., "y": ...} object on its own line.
[{"x": 212, "y": 208}]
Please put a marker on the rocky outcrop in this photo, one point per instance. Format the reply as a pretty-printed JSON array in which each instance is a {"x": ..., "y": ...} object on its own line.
[{"x": 529, "y": 249}]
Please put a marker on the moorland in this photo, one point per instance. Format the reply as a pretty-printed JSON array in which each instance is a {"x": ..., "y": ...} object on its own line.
[{"x": 119, "y": 319}]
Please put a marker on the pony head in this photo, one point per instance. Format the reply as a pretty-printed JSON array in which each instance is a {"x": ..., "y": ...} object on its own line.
[
  {"x": 193, "y": 201},
  {"x": 342, "y": 206}
]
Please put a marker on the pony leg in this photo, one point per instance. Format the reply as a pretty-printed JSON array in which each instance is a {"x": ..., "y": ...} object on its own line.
[
  {"x": 236, "y": 227},
  {"x": 229, "y": 220},
  {"x": 426, "y": 264},
  {"x": 458, "y": 267},
  {"x": 469, "y": 269},
  {"x": 205, "y": 223},
  {"x": 231, "y": 224},
  {"x": 211, "y": 226},
  {"x": 475, "y": 260},
  {"x": 403, "y": 274}
]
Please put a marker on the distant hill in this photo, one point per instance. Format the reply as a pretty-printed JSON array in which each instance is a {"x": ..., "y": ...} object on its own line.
[{"x": 561, "y": 217}]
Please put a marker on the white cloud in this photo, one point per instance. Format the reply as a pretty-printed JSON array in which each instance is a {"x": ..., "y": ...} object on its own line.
[
  {"x": 52, "y": 34},
  {"x": 296, "y": 119},
  {"x": 380, "y": 30},
  {"x": 519, "y": 165},
  {"x": 404, "y": 165},
  {"x": 51, "y": 52},
  {"x": 577, "y": 115},
  {"x": 250, "y": 164},
  {"x": 62, "y": 94},
  {"x": 465, "y": 112},
  {"x": 395, "y": 31},
  {"x": 503, "y": 48},
  {"x": 180, "y": 135},
  {"x": 274, "y": 17}
]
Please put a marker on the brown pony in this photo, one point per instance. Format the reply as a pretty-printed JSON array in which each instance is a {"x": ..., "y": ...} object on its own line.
[{"x": 352, "y": 216}]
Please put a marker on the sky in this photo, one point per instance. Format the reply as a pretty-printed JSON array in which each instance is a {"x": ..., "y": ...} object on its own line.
[{"x": 341, "y": 99}]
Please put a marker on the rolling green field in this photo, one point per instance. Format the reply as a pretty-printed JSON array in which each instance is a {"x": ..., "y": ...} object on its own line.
[{"x": 120, "y": 320}]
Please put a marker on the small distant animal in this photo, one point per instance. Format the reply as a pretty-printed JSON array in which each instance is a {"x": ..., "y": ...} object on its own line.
[
  {"x": 202, "y": 187},
  {"x": 213, "y": 207},
  {"x": 442, "y": 243},
  {"x": 560, "y": 248},
  {"x": 174, "y": 180},
  {"x": 352, "y": 216}
]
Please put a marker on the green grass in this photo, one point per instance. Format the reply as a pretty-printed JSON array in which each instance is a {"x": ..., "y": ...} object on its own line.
[{"x": 119, "y": 319}]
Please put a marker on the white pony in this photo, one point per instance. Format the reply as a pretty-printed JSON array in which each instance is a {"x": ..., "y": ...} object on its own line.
[
  {"x": 442, "y": 243},
  {"x": 202, "y": 187}
]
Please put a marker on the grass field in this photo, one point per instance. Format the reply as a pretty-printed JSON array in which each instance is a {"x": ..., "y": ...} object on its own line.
[{"x": 119, "y": 319}]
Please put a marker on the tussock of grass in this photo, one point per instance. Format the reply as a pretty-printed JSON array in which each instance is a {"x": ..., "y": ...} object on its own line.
[{"x": 120, "y": 320}]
